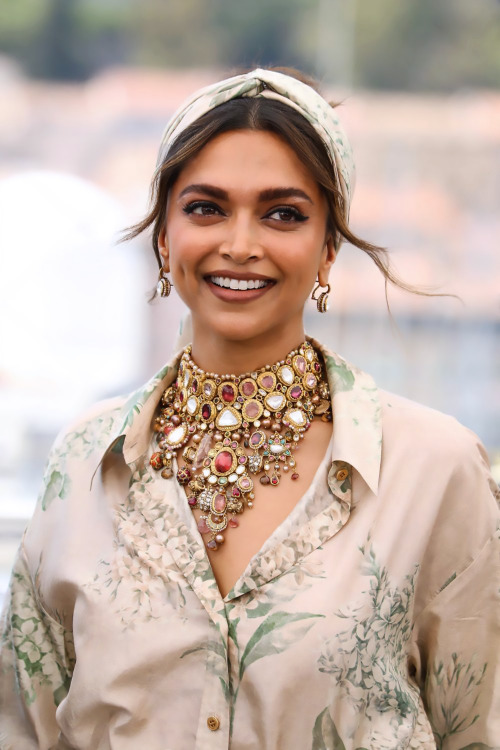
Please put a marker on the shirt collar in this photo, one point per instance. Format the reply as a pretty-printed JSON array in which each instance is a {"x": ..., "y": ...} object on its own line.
[{"x": 357, "y": 433}]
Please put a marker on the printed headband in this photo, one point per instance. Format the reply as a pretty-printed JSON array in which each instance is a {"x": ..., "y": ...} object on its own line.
[{"x": 283, "y": 88}]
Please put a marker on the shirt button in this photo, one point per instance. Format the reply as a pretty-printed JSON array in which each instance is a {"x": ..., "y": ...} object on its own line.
[
  {"x": 213, "y": 723},
  {"x": 341, "y": 475}
]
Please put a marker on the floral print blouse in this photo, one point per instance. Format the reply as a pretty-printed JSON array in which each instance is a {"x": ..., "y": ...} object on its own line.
[{"x": 367, "y": 621}]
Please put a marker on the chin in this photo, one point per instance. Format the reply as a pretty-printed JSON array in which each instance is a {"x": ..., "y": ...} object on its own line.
[{"x": 234, "y": 327}]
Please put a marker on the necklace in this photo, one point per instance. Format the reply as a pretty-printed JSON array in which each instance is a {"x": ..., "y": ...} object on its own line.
[{"x": 238, "y": 426}]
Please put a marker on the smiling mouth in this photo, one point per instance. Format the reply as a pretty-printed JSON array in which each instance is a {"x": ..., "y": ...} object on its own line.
[{"x": 242, "y": 285}]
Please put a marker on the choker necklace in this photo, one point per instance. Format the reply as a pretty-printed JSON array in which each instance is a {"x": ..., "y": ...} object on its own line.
[{"x": 237, "y": 426}]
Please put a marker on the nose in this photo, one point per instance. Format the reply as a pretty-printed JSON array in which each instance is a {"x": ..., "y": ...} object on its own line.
[{"x": 241, "y": 243}]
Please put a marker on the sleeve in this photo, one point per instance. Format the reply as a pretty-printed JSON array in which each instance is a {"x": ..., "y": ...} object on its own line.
[
  {"x": 457, "y": 647},
  {"x": 36, "y": 664}
]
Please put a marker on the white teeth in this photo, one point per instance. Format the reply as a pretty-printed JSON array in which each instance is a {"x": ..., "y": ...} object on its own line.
[{"x": 227, "y": 283}]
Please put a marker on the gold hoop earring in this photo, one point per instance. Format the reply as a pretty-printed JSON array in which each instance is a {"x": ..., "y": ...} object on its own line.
[
  {"x": 322, "y": 300},
  {"x": 164, "y": 286}
]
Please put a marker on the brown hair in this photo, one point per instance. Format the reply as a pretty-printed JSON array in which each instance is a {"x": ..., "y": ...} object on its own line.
[{"x": 276, "y": 117}]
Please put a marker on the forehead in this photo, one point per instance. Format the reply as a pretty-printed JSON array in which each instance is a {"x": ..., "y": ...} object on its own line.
[{"x": 253, "y": 158}]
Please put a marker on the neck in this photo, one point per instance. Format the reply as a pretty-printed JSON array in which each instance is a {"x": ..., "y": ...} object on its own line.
[{"x": 235, "y": 357}]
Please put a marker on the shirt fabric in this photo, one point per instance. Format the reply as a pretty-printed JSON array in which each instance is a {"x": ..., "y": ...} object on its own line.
[{"x": 369, "y": 615}]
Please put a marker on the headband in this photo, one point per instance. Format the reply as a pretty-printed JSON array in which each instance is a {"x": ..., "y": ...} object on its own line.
[{"x": 280, "y": 87}]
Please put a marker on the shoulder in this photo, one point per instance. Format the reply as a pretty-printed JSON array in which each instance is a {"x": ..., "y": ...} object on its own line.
[
  {"x": 414, "y": 425},
  {"x": 438, "y": 454},
  {"x": 91, "y": 429}
]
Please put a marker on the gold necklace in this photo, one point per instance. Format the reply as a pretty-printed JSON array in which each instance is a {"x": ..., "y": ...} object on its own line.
[{"x": 226, "y": 417}]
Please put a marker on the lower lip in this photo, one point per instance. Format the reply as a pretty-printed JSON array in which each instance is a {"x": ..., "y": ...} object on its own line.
[{"x": 235, "y": 295}]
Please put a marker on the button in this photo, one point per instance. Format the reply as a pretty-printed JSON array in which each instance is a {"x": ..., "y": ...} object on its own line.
[
  {"x": 341, "y": 474},
  {"x": 213, "y": 723}
]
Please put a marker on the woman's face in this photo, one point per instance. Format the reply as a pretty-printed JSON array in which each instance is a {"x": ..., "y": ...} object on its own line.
[{"x": 245, "y": 238}]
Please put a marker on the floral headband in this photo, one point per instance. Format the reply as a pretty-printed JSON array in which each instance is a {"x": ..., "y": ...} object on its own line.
[{"x": 283, "y": 88}]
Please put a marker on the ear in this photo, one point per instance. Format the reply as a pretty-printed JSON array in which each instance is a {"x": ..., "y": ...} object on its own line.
[
  {"x": 163, "y": 249},
  {"x": 328, "y": 257}
]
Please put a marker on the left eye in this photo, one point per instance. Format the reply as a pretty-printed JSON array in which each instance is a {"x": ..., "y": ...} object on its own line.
[{"x": 286, "y": 214}]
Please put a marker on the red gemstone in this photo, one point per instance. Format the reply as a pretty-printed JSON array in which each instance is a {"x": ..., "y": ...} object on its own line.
[
  {"x": 248, "y": 388},
  {"x": 192, "y": 501},
  {"x": 256, "y": 438},
  {"x": 274, "y": 480},
  {"x": 236, "y": 492},
  {"x": 252, "y": 409},
  {"x": 183, "y": 475},
  {"x": 223, "y": 462},
  {"x": 206, "y": 411},
  {"x": 265, "y": 479},
  {"x": 219, "y": 503},
  {"x": 233, "y": 523},
  {"x": 295, "y": 475},
  {"x": 202, "y": 526},
  {"x": 228, "y": 393},
  {"x": 296, "y": 392},
  {"x": 156, "y": 461}
]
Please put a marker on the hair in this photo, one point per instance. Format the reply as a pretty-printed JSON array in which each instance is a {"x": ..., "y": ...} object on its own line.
[{"x": 262, "y": 114}]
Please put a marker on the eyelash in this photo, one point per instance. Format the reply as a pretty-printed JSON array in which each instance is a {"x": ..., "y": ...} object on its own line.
[{"x": 297, "y": 216}]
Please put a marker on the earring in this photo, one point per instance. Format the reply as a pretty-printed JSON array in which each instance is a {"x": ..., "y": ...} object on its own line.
[
  {"x": 322, "y": 300},
  {"x": 164, "y": 286}
]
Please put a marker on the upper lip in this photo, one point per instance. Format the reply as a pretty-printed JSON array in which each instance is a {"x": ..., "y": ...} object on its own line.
[{"x": 239, "y": 275}]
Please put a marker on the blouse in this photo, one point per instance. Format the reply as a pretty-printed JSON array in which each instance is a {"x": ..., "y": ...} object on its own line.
[{"x": 367, "y": 621}]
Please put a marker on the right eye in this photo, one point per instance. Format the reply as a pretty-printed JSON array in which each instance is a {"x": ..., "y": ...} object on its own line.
[{"x": 202, "y": 208}]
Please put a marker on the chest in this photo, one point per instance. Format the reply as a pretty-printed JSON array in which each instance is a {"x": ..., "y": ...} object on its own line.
[{"x": 271, "y": 507}]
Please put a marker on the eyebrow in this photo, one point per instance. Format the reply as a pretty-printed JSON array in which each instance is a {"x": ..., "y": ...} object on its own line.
[{"x": 265, "y": 195}]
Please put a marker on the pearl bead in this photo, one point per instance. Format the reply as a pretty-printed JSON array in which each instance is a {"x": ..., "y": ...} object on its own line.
[{"x": 219, "y": 538}]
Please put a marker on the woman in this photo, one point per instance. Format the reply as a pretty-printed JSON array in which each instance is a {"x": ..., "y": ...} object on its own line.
[{"x": 212, "y": 565}]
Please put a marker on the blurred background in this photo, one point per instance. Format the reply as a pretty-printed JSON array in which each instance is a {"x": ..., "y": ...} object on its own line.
[{"x": 86, "y": 87}]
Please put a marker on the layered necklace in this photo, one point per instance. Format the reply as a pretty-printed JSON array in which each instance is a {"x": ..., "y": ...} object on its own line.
[{"x": 239, "y": 428}]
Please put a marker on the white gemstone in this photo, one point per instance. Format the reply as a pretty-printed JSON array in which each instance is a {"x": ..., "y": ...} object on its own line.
[
  {"x": 277, "y": 449},
  {"x": 192, "y": 405},
  {"x": 233, "y": 477},
  {"x": 176, "y": 435},
  {"x": 186, "y": 379},
  {"x": 159, "y": 288},
  {"x": 240, "y": 469},
  {"x": 309, "y": 355},
  {"x": 287, "y": 375},
  {"x": 206, "y": 472},
  {"x": 212, "y": 479},
  {"x": 297, "y": 417},
  {"x": 227, "y": 419},
  {"x": 275, "y": 402}
]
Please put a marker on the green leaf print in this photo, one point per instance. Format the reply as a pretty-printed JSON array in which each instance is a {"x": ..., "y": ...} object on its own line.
[
  {"x": 58, "y": 485},
  {"x": 454, "y": 691},
  {"x": 325, "y": 735},
  {"x": 277, "y": 633},
  {"x": 343, "y": 376}
]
